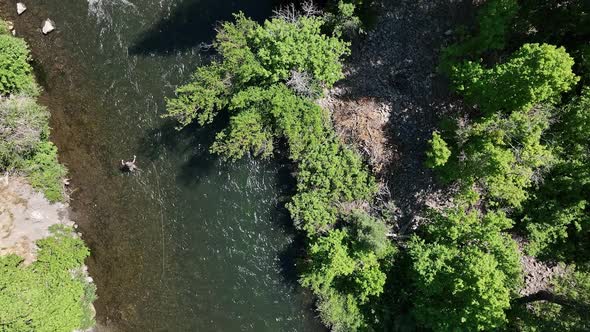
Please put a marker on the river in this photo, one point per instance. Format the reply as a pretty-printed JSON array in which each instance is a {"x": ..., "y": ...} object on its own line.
[{"x": 190, "y": 243}]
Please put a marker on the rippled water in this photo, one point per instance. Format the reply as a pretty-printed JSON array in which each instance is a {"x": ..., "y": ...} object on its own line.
[{"x": 190, "y": 243}]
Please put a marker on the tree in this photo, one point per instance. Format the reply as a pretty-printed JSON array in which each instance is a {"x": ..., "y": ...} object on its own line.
[
  {"x": 464, "y": 271},
  {"x": 535, "y": 73},
  {"x": 558, "y": 215},
  {"x": 258, "y": 56},
  {"x": 501, "y": 155},
  {"x": 494, "y": 23},
  {"x": 566, "y": 307}
]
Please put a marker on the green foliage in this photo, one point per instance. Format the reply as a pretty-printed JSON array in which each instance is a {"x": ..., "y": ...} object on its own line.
[
  {"x": 24, "y": 128},
  {"x": 254, "y": 55},
  {"x": 206, "y": 93},
  {"x": 370, "y": 233},
  {"x": 342, "y": 311},
  {"x": 438, "y": 153},
  {"x": 558, "y": 217},
  {"x": 343, "y": 20},
  {"x": 521, "y": 152},
  {"x": 45, "y": 172},
  {"x": 535, "y": 73},
  {"x": 4, "y": 28},
  {"x": 23, "y": 125},
  {"x": 52, "y": 293},
  {"x": 15, "y": 70},
  {"x": 247, "y": 131},
  {"x": 464, "y": 271},
  {"x": 345, "y": 271},
  {"x": 501, "y": 154}
]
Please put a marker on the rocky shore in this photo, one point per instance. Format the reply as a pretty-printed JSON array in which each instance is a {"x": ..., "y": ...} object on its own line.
[{"x": 26, "y": 216}]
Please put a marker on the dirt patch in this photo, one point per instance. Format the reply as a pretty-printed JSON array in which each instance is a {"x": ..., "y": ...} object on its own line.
[
  {"x": 392, "y": 99},
  {"x": 25, "y": 217},
  {"x": 363, "y": 123}
]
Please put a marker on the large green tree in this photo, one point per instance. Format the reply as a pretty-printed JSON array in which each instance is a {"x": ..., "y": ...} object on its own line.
[
  {"x": 535, "y": 73},
  {"x": 464, "y": 271},
  {"x": 558, "y": 215}
]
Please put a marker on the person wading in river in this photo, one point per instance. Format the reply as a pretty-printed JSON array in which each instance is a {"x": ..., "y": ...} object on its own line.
[{"x": 129, "y": 166}]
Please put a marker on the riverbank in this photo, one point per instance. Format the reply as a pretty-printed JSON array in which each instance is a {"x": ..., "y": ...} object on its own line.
[{"x": 44, "y": 280}]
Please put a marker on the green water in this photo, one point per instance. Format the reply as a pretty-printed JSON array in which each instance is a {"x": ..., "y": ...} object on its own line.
[{"x": 190, "y": 243}]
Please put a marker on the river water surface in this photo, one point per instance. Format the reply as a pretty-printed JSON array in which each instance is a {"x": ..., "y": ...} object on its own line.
[{"x": 190, "y": 243}]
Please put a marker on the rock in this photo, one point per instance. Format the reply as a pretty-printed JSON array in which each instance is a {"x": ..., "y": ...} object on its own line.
[
  {"x": 37, "y": 215},
  {"x": 10, "y": 25},
  {"x": 448, "y": 32},
  {"x": 20, "y": 8},
  {"x": 48, "y": 26}
]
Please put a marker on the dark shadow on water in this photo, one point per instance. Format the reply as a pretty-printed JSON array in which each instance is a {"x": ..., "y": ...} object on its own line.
[
  {"x": 191, "y": 142},
  {"x": 193, "y": 21},
  {"x": 295, "y": 251}
]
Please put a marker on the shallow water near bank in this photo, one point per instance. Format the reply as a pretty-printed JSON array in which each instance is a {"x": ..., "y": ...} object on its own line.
[{"x": 190, "y": 243}]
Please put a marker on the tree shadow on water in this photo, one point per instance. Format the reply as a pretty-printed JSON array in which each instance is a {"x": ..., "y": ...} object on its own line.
[
  {"x": 188, "y": 148},
  {"x": 192, "y": 23}
]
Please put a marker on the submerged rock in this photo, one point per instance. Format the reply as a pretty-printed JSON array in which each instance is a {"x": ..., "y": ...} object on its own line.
[
  {"x": 48, "y": 26},
  {"x": 20, "y": 8}
]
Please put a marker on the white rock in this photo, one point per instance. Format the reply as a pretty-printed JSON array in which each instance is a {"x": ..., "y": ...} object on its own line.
[
  {"x": 449, "y": 32},
  {"x": 48, "y": 26},
  {"x": 37, "y": 215},
  {"x": 20, "y": 8}
]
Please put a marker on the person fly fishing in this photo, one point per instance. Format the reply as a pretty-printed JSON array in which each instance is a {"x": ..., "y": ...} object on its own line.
[{"x": 129, "y": 166}]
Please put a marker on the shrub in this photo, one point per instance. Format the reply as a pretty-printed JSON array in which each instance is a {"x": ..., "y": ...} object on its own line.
[
  {"x": 45, "y": 172},
  {"x": 15, "y": 70},
  {"x": 23, "y": 125},
  {"x": 438, "y": 153},
  {"x": 48, "y": 295}
]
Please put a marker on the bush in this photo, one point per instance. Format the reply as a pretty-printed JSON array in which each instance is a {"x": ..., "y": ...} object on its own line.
[
  {"x": 4, "y": 28},
  {"x": 15, "y": 70},
  {"x": 45, "y": 172},
  {"x": 23, "y": 125},
  {"x": 438, "y": 153},
  {"x": 51, "y": 294}
]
